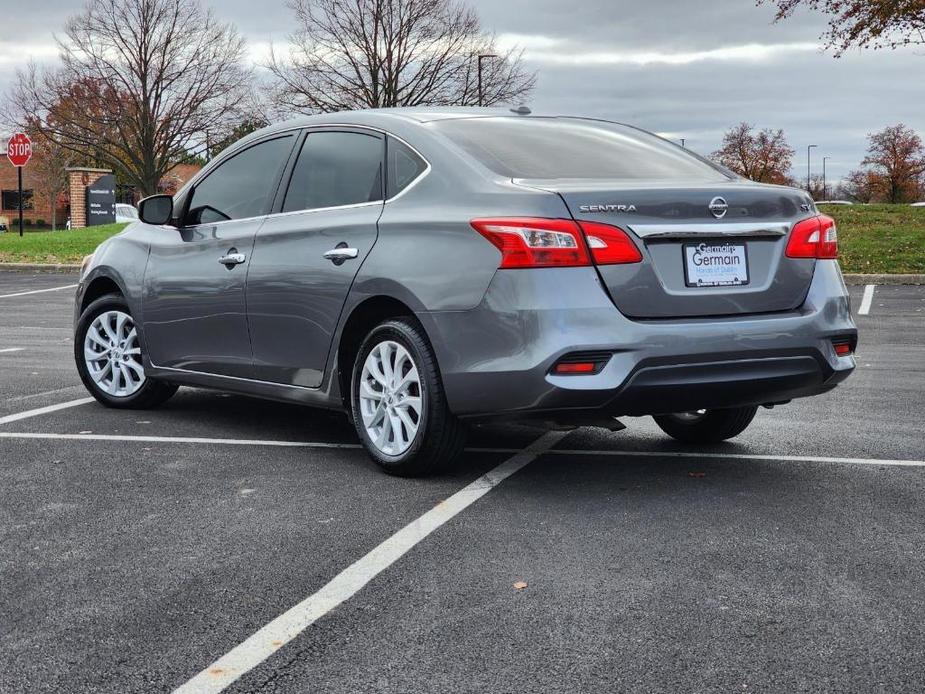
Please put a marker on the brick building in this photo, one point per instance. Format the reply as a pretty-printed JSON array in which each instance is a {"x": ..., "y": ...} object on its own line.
[{"x": 38, "y": 207}]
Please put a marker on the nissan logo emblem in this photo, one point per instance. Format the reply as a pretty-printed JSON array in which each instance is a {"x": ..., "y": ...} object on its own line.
[{"x": 718, "y": 207}]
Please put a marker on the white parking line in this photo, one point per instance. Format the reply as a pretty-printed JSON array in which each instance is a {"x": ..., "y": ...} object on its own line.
[
  {"x": 866, "y": 299},
  {"x": 747, "y": 456},
  {"x": 43, "y": 410},
  {"x": 351, "y": 580},
  {"x": 37, "y": 291},
  {"x": 12, "y": 349},
  {"x": 201, "y": 439},
  {"x": 353, "y": 446},
  {"x": 171, "y": 439}
]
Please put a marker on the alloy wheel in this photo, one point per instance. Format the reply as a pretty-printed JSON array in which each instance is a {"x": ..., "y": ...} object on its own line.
[
  {"x": 391, "y": 402},
  {"x": 113, "y": 355}
]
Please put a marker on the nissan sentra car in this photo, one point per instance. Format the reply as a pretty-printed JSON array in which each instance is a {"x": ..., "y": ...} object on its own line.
[{"x": 420, "y": 269}]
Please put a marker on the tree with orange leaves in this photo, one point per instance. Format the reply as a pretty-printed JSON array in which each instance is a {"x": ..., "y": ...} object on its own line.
[
  {"x": 763, "y": 156},
  {"x": 864, "y": 23}
]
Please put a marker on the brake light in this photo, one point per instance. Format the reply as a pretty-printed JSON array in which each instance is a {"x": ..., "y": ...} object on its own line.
[
  {"x": 610, "y": 245},
  {"x": 526, "y": 242},
  {"x": 814, "y": 238}
]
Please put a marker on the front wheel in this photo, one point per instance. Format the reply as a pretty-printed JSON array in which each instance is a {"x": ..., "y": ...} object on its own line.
[
  {"x": 109, "y": 358},
  {"x": 706, "y": 426},
  {"x": 398, "y": 403}
]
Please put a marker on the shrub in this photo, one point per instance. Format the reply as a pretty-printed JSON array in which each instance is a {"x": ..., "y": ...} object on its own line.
[{"x": 40, "y": 223}]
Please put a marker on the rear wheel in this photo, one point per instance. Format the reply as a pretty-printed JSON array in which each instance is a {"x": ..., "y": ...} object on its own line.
[
  {"x": 109, "y": 357},
  {"x": 399, "y": 407},
  {"x": 706, "y": 426}
]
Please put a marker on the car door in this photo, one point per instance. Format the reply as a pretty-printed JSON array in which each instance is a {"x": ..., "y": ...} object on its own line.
[
  {"x": 306, "y": 256},
  {"x": 194, "y": 283}
]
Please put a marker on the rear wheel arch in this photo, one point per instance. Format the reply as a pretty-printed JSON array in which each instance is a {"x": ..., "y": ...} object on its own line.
[{"x": 362, "y": 319}]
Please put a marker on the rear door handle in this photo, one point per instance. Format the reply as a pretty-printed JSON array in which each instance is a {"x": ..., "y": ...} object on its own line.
[
  {"x": 232, "y": 258},
  {"x": 340, "y": 254}
]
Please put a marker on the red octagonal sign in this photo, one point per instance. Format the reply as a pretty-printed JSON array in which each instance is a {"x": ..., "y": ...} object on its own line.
[{"x": 19, "y": 149}]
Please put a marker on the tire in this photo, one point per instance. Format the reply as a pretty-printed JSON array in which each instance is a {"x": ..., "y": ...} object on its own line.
[
  {"x": 706, "y": 426},
  {"x": 439, "y": 436},
  {"x": 138, "y": 391}
]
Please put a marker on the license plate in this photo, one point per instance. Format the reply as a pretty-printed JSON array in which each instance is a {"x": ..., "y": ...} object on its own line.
[{"x": 715, "y": 264}]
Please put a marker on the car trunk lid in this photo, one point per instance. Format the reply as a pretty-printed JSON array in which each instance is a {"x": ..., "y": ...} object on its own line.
[{"x": 710, "y": 250}]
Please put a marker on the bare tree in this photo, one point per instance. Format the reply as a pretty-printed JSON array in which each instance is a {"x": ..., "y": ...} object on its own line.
[
  {"x": 350, "y": 54},
  {"x": 863, "y": 23},
  {"x": 140, "y": 82},
  {"x": 48, "y": 169},
  {"x": 762, "y": 156}
]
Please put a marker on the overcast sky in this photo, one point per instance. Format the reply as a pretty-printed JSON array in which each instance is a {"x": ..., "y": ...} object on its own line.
[{"x": 680, "y": 68}]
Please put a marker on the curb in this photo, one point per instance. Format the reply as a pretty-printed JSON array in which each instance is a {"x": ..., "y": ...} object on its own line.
[
  {"x": 39, "y": 267},
  {"x": 884, "y": 279}
]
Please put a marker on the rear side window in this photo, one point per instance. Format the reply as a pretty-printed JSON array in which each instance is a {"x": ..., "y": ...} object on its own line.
[
  {"x": 242, "y": 186},
  {"x": 334, "y": 169},
  {"x": 548, "y": 148},
  {"x": 404, "y": 166}
]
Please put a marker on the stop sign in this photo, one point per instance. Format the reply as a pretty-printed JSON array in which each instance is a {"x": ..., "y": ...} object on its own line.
[{"x": 19, "y": 149}]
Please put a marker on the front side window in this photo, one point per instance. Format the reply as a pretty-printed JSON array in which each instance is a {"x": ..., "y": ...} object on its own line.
[
  {"x": 335, "y": 169},
  {"x": 242, "y": 186}
]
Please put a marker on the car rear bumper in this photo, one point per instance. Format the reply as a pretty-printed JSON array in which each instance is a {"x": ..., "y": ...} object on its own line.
[{"x": 497, "y": 357}]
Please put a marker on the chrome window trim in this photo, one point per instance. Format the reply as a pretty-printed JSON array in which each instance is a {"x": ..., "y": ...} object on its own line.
[{"x": 309, "y": 129}]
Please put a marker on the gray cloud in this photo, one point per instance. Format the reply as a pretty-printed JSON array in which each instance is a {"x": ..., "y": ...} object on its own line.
[{"x": 812, "y": 96}]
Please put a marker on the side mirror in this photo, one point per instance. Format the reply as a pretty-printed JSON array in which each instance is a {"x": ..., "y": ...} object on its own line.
[{"x": 157, "y": 209}]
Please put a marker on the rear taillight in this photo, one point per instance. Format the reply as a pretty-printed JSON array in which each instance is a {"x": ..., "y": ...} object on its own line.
[
  {"x": 526, "y": 242},
  {"x": 610, "y": 245},
  {"x": 814, "y": 238}
]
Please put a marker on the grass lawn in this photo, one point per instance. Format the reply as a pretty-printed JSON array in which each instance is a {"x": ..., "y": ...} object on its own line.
[
  {"x": 871, "y": 238},
  {"x": 880, "y": 238},
  {"x": 53, "y": 246}
]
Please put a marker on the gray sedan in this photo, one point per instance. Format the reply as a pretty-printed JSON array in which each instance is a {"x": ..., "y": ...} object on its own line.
[{"x": 419, "y": 269}]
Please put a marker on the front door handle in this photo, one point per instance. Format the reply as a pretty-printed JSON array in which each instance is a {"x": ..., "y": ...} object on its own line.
[
  {"x": 232, "y": 258},
  {"x": 340, "y": 254}
]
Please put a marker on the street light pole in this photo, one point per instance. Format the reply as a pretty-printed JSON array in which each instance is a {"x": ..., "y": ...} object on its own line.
[
  {"x": 809, "y": 188},
  {"x": 482, "y": 57},
  {"x": 825, "y": 192}
]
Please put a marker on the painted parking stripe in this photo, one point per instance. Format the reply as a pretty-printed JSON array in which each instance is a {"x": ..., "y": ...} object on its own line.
[
  {"x": 204, "y": 440},
  {"x": 43, "y": 410},
  {"x": 866, "y": 299},
  {"x": 37, "y": 291},
  {"x": 8, "y": 350},
  {"x": 172, "y": 439},
  {"x": 704, "y": 455},
  {"x": 351, "y": 580}
]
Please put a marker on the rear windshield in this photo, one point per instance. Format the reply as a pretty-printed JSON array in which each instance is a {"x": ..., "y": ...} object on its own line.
[{"x": 573, "y": 148}]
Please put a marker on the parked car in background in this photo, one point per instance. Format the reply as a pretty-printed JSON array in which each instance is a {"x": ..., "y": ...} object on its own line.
[
  {"x": 834, "y": 202},
  {"x": 4, "y": 224},
  {"x": 422, "y": 268},
  {"x": 126, "y": 213},
  {"x": 918, "y": 204}
]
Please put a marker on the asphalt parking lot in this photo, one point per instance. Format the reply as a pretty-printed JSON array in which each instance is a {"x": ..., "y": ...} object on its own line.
[{"x": 141, "y": 550}]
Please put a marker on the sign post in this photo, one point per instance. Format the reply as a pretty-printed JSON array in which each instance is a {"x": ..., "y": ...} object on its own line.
[{"x": 19, "y": 152}]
